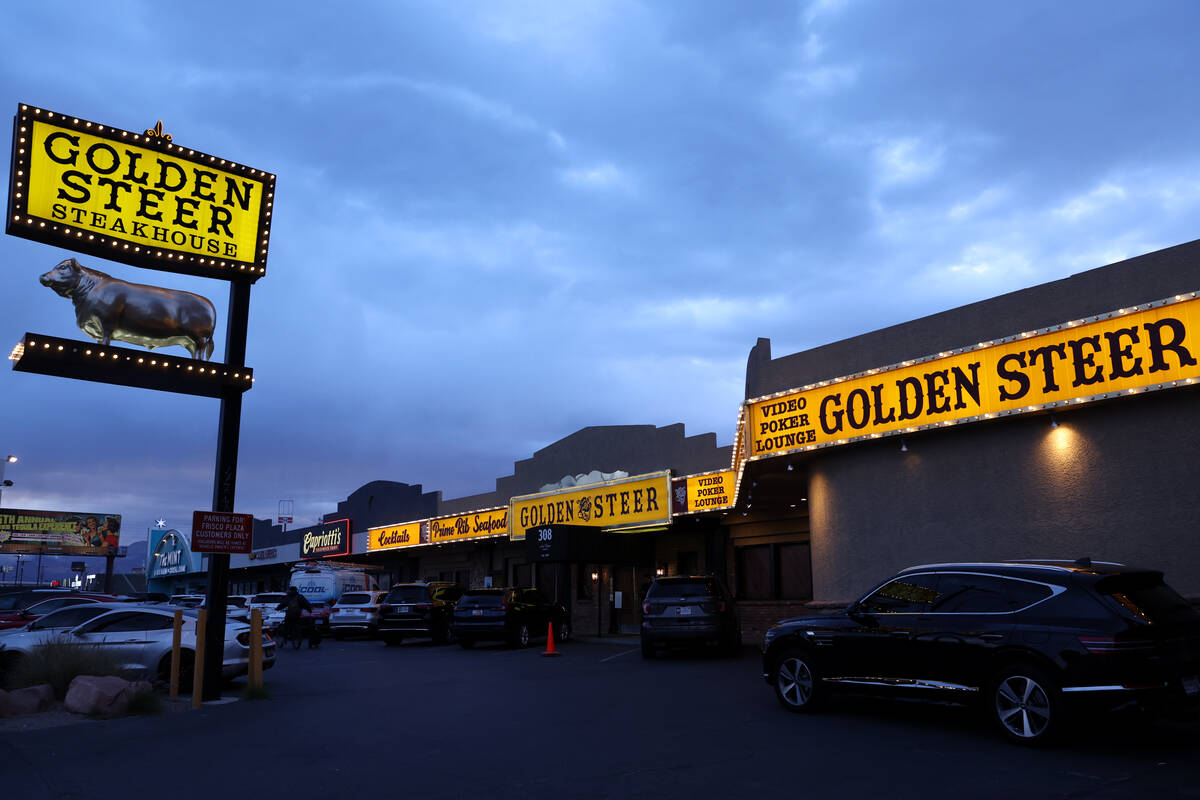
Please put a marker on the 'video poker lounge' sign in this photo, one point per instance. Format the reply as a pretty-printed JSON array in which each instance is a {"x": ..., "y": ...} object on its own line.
[{"x": 1149, "y": 347}]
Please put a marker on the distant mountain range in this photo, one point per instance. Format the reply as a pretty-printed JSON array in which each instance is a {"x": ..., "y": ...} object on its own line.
[{"x": 58, "y": 568}]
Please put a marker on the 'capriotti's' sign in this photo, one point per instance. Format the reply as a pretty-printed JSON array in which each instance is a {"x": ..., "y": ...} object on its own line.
[
  {"x": 626, "y": 503},
  {"x": 329, "y": 539},
  {"x": 476, "y": 525},
  {"x": 1152, "y": 346},
  {"x": 390, "y": 537},
  {"x": 137, "y": 198}
]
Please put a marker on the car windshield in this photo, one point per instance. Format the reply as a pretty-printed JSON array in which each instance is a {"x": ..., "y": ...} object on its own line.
[
  {"x": 679, "y": 590},
  {"x": 67, "y": 617},
  {"x": 268, "y": 598},
  {"x": 482, "y": 600},
  {"x": 240, "y": 602},
  {"x": 11, "y": 602},
  {"x": 408, "y": 594},
  {"x": 355, "y": 599}
]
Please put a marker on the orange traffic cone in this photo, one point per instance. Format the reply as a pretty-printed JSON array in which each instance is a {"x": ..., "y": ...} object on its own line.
[{"x": 550, "y": 651}]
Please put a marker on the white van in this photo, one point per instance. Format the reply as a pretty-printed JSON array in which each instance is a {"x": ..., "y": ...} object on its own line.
[{"x": 323, "y": 584}]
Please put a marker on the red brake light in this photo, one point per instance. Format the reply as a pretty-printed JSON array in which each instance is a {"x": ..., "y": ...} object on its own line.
[
  {"x": 422, "y": 606},
  {"x": 645, "y": 606}
]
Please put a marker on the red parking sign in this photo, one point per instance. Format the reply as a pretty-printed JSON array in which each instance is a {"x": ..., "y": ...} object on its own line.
[{"x": 221, "y": 532}]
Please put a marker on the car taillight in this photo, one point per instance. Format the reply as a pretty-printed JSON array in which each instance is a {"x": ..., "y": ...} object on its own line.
[
  {"x": 1116, "y": 644},
  {"x": 243, "y": 639},
  {"x": 422, "y": 606},
  {"x": 645, "y": 606},
  {"x": 370, "y": 608}
]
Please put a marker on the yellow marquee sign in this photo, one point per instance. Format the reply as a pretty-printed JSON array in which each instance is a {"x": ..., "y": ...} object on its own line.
[
  {"x": 391, "y": 537},
  {"x": 626, "y": 503},
  {"x": 1152, "y": 346},
  {"x": 476, "y": 525},
  {"x": 712, "y": 491},
  {"x": 137, "y": 198}
]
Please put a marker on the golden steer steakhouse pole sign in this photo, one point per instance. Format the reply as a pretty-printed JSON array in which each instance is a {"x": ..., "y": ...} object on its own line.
[
  {"x": 626, "y": 503},
  {"x": 137, "y": 198},
  {"x": 1148, "y": 347}
]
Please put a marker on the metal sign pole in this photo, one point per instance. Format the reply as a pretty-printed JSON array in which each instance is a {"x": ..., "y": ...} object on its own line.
[{"x": 224, "y": 484}]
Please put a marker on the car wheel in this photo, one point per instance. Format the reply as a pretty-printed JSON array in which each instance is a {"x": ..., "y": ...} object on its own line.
[
  {"x": 648, "y": 651},
  {"x": 392, "y": 641},
  {"x": 1026, "y": 704},
  {"x": 798, "y": 682},
  {"x": 466, "y": 644}
]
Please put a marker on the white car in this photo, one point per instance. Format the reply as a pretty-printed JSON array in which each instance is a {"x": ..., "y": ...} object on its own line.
[
  {"x": 139, "y": 637},
  {"x": 356, "y": 612},
  {"x": 266, "y": 603}
]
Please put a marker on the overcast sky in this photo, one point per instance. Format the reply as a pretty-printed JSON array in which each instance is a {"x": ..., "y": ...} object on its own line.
[{"x": 499, "y": 222}]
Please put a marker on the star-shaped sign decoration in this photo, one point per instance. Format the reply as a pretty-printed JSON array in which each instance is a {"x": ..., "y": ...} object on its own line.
[{"x": 160, "y": 523}]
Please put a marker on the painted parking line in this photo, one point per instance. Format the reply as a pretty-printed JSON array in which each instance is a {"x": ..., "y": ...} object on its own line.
[{"x": 618, "y": 655}]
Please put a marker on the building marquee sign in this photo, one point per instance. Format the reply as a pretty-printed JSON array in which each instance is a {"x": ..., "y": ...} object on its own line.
[
  {"x": 1148, "y": 347},
  {"x": 331, "y": 538},
  {"x": 476, "y": 525},
  {"x": 137, "y": 198},
  {"x": 710, "y": 491},
  {"x": 639, "y": 501}
]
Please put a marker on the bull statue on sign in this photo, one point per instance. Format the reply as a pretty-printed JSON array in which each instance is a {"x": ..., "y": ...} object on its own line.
[{"x": 107, "y": 308}]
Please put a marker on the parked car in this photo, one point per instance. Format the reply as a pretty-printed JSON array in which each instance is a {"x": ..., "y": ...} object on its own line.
[
  {"x": 15, "y": 643},
  {"x": 139, "y": 637},
  {"x": 356, "y": 612},
  {"x": 689, "y": 610},
  {"x": 418, "y": 609},
  {"x": 1034, "y": 641},
  {"x": 237, "y": 606},
  {"x": 510, "y": 615},
  {"x": 187, "y": 600},
  {"x": 27, "y": 607},
  {"x": 319, "y": 615},
  {"x": 266, "y": 602}
]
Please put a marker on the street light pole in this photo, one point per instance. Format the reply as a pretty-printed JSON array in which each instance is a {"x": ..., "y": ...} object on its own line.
[{"x": 10, "y": 459}]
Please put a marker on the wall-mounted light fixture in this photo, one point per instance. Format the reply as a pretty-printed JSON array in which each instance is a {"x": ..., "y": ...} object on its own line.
[
  {"x": 595, "y": 576},
  {"x": 1053, "y": 420},
  {"x": 903, "y": 446},
  {"x": 660, "y": 572}
]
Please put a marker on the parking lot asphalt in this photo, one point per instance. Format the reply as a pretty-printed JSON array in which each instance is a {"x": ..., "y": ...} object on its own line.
[{"x": 356, "y": 718}]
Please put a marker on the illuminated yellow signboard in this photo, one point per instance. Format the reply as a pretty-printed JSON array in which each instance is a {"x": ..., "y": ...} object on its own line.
[
  {"x": 393, "y": 536},
  {"x": 1144, "y": 348},
  {"x": 137, "y": 198},
  {"x": 626, "y": 503},
  {"x": 714, "y": 490},
  {"x": 476, "y": 525}
]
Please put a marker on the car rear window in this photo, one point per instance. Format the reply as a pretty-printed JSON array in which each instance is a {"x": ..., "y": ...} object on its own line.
[
  {"x": 408, "y": 594},
  {"x": 1145, "y": 596},
  {"x": 11, "y": 602},
  {"x": 355, "y": 599},
  {"x": 680, "y": 590},
  {"x": 481, "y": 600},
  {"x": 268, "y": 598}
]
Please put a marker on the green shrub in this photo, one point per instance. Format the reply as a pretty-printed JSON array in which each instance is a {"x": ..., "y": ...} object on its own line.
[{"x": 60, "y": 662}]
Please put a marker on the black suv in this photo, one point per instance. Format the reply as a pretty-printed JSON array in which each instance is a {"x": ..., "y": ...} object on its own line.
[
  {"x": 514, "y": 616},
  {"x": 689, "y": 610},
  {"x": 1032, "y": 641},
  {"x": 418, "y": 609}
]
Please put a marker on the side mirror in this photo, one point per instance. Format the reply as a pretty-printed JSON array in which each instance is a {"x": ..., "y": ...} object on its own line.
[{"x": 859, "y": 614}]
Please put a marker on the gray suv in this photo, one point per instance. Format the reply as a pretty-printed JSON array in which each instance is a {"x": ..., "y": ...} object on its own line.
[{"x": 689, "y": 610}]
